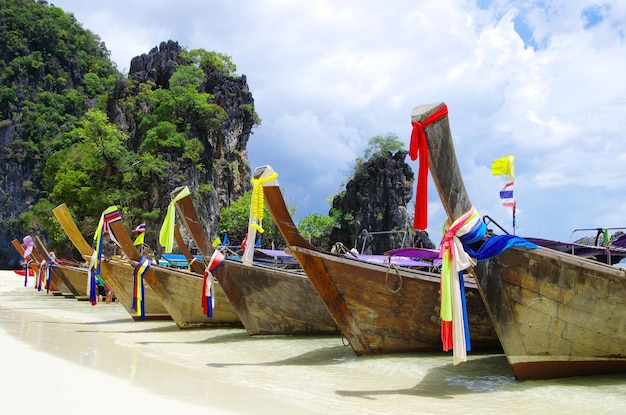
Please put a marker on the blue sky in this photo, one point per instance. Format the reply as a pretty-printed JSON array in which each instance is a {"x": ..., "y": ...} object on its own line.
[{"x": 541, "y": 80}]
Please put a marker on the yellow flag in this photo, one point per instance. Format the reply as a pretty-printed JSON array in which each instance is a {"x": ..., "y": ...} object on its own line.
[
  {"x": 216, "y": 242},
  {"x": 139, "y": 239},
  {"x": 503, "y": 166}
]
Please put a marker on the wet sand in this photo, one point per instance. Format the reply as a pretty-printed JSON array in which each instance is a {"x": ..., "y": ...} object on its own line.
[{"x": 63, "y": 356}]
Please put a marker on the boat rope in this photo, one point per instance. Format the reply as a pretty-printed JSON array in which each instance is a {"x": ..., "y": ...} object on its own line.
[
  {"x": 256, "y": 213},
  {"x": 419, "y": 147},
  {"x": 397, "y": 269}
]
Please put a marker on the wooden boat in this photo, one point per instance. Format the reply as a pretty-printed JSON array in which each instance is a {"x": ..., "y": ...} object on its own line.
[
  {"x": 73, "y": 276},
  {"x": 56, "y": 286},
  {"x": 268, "y": 300},
  {"x": 378, "y": 308},
  {"x": 556, "y": 314},
  {"x": 120, "y": 280},
  {"x": 180, "y": 291}
]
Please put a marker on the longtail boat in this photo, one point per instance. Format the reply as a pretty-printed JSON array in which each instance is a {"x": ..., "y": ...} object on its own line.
[
  {"x": 73, "y": 275},
  {"x": 181, "y": 292},
  {"x": 35, "y": 265},
  {"x": 556, "y": 314},
  {"x": 378, "y": 308},
  {"x": 115, "y": 273},
  {"x": 268, "y": 300},
  {"x": 50, "y": 281}
]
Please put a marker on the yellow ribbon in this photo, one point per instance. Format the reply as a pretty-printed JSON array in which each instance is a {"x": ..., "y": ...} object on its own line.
[
  {"x": 257, "y": 213},
  {"x": 166, "y": 235}
]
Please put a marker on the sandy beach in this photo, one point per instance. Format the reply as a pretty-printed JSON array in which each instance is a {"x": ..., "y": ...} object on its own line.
[{"x": 61, "y": 355}]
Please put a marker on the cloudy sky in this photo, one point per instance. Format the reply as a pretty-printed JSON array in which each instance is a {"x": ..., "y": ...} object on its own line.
[{"x": 543, "y": 81}]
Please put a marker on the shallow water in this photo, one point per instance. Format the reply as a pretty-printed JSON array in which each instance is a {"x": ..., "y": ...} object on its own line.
[{"x": 224, "y": 368}]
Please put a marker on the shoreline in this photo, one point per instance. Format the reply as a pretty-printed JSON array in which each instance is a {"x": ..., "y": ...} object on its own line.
[
  {"x": 47, "y": 363},
  {"x": 63, "y": 355}
]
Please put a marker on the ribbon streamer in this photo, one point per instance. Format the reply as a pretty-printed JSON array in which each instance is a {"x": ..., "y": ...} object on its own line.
[
  {"x": 419, "y": 147},
  {"x": 208, "y": 297},
  {"x": 256, "y": 211},
  {"x": 454, "y": 261},
  {"x": 138, "y": 287},
  {"x": 166, "y": 235}
]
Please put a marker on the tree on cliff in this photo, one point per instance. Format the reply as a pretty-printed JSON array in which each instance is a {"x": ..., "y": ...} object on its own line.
[{"x": 74, "y": 130}]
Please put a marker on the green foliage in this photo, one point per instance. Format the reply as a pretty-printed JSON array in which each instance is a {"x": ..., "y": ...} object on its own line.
[
  {"x": 215, "y": 61},
  {"x": 380, "y": 145},
  {"x": 316, "y": 228},
  {"x": 51, "y": 71}
]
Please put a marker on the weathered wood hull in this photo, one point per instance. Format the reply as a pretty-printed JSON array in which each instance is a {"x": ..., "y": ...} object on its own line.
[
  {"x": 379, "y": 310},
  {"x": 556, "y": 314},
  {"x": 180, "y": 293},
  {"x": 120, "y": 282},
  {"x": 76, "y": 278},
  {"x": 267, "y": 300},
  {"x": 118, "y": 276},
  {"x": 274, "y": 301},
  {"x": 382, "y": 310}
]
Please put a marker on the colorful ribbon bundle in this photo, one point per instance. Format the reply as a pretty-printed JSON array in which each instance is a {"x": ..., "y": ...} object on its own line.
[
  {"x": 92, "y": 280},
  {"x": 457, "y": 256},
  {"x": 111, "y": 214},
  {"x": 454, "y": 327},
  {"x": 166, "y": 235},
  {"x": 208, "y": 298},
  {"x": 138, "y": 287}
]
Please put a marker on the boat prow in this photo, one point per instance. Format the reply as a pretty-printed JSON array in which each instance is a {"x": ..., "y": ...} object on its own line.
[{"x": 556, "y": 314}]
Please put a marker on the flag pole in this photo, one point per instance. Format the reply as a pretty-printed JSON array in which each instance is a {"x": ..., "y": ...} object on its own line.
[{"x": 514, "y": 207}]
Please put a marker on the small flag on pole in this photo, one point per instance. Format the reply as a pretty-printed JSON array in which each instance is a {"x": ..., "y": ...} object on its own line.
[
  {"x": 140, "y": 239},
  {"x": 506, "y": 195},
  {"x": 503, "y": 166},
  {"x": 140, "y": 228}
]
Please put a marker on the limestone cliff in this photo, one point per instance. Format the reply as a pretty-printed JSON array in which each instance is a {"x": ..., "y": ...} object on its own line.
[{"x": 375, "y": 200}]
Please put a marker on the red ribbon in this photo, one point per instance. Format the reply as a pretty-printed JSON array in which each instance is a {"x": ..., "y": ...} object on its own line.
[{"x": 419, "y": 146}]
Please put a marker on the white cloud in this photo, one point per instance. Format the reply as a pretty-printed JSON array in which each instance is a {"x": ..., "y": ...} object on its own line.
[{"x": 327, "y": 76}]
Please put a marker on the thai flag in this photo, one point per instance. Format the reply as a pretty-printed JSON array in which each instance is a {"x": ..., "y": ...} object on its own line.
[
  {"x": 140, "y": 228},
  {"x": 506, "y": 195}
]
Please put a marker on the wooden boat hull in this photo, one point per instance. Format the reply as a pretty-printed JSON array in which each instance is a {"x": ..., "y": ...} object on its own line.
[
  {"x": 55, "y": 284},
  {"x": 268, "y": 300},
  {"x": 382, "y": 310},
  {"x": 180, "y": 293},
  {"x": 556, "y": 314},
  {"x": 378, "y": 309},
  {"x": 274, "y": 301},
  {"x": 120, "y": 282},
  {"x": 556, "y": 318},
  {"x": 76, "y": 278}
]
